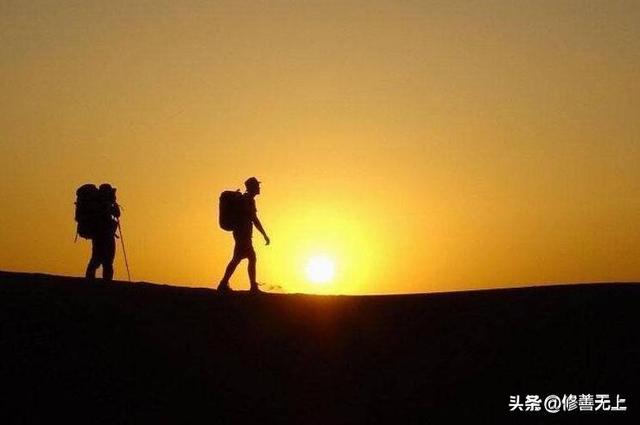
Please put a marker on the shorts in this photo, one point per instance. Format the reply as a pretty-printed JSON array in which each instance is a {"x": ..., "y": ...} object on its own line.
[{"x": 244, "y": 245}]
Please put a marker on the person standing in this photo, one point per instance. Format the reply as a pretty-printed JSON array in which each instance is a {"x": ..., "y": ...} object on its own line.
[
  {"x": 242, "y": 236},
  {"x": 103, "y": 241}
]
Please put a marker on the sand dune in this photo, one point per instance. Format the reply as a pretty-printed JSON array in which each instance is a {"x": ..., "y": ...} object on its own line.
[{"x": 136, "y": 353}]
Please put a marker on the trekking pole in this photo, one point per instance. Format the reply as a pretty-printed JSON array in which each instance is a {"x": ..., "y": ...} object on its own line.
[{"x": 124, "y": 252}]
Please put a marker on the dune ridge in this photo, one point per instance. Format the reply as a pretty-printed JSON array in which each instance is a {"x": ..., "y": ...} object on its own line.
[{"x": 131, "y": 353}]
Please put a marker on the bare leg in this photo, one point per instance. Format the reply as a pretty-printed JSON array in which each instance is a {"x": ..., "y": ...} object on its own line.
[
  {"x": 231, "y": 267},
  {"x": 252, "y": 271}
]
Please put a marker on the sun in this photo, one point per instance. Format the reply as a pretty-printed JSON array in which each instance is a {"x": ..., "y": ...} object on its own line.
[{"x": 320, "y": 269}]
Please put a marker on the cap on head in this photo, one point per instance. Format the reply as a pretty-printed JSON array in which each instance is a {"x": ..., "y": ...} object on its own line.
[
  {"x": 107, "y": 192},
  {"x": 251, "y": 182},
  {"x": 106, "y": 187}
]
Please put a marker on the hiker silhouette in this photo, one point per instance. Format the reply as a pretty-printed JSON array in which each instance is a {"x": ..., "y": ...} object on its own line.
[
  {"x": 245, "y": 218},
  {"x": 97, "y": 215}
]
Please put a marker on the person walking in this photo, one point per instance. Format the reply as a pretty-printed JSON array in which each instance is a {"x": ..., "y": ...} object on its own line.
[{"x": 242, "y": 235}]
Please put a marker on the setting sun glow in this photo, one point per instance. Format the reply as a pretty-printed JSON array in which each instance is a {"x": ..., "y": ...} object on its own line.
[
  {"x": 403, "y": 146},
  {"x": 320, "y": 270}
]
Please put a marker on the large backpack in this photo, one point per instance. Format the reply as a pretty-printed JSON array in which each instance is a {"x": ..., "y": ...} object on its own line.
[
  {"x": 230, "y": 209},
  {"x": 87, "y": 210}
]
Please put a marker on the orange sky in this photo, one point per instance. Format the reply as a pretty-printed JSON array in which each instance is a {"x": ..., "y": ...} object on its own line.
[{"x": 422, "y": 145}]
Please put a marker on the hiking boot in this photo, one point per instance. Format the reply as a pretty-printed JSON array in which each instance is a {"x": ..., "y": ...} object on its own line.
[{"x": 224, "y": 287}]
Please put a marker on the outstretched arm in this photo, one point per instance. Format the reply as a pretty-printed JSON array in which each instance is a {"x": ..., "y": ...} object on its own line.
[{"x": 258, "y": 225}]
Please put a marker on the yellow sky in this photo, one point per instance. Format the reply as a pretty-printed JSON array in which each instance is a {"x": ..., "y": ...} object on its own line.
[{"x": 422, "y": 145}]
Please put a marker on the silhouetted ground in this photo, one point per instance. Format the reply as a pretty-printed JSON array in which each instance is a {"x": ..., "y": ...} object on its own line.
[{"x": 138, "y": 353}]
